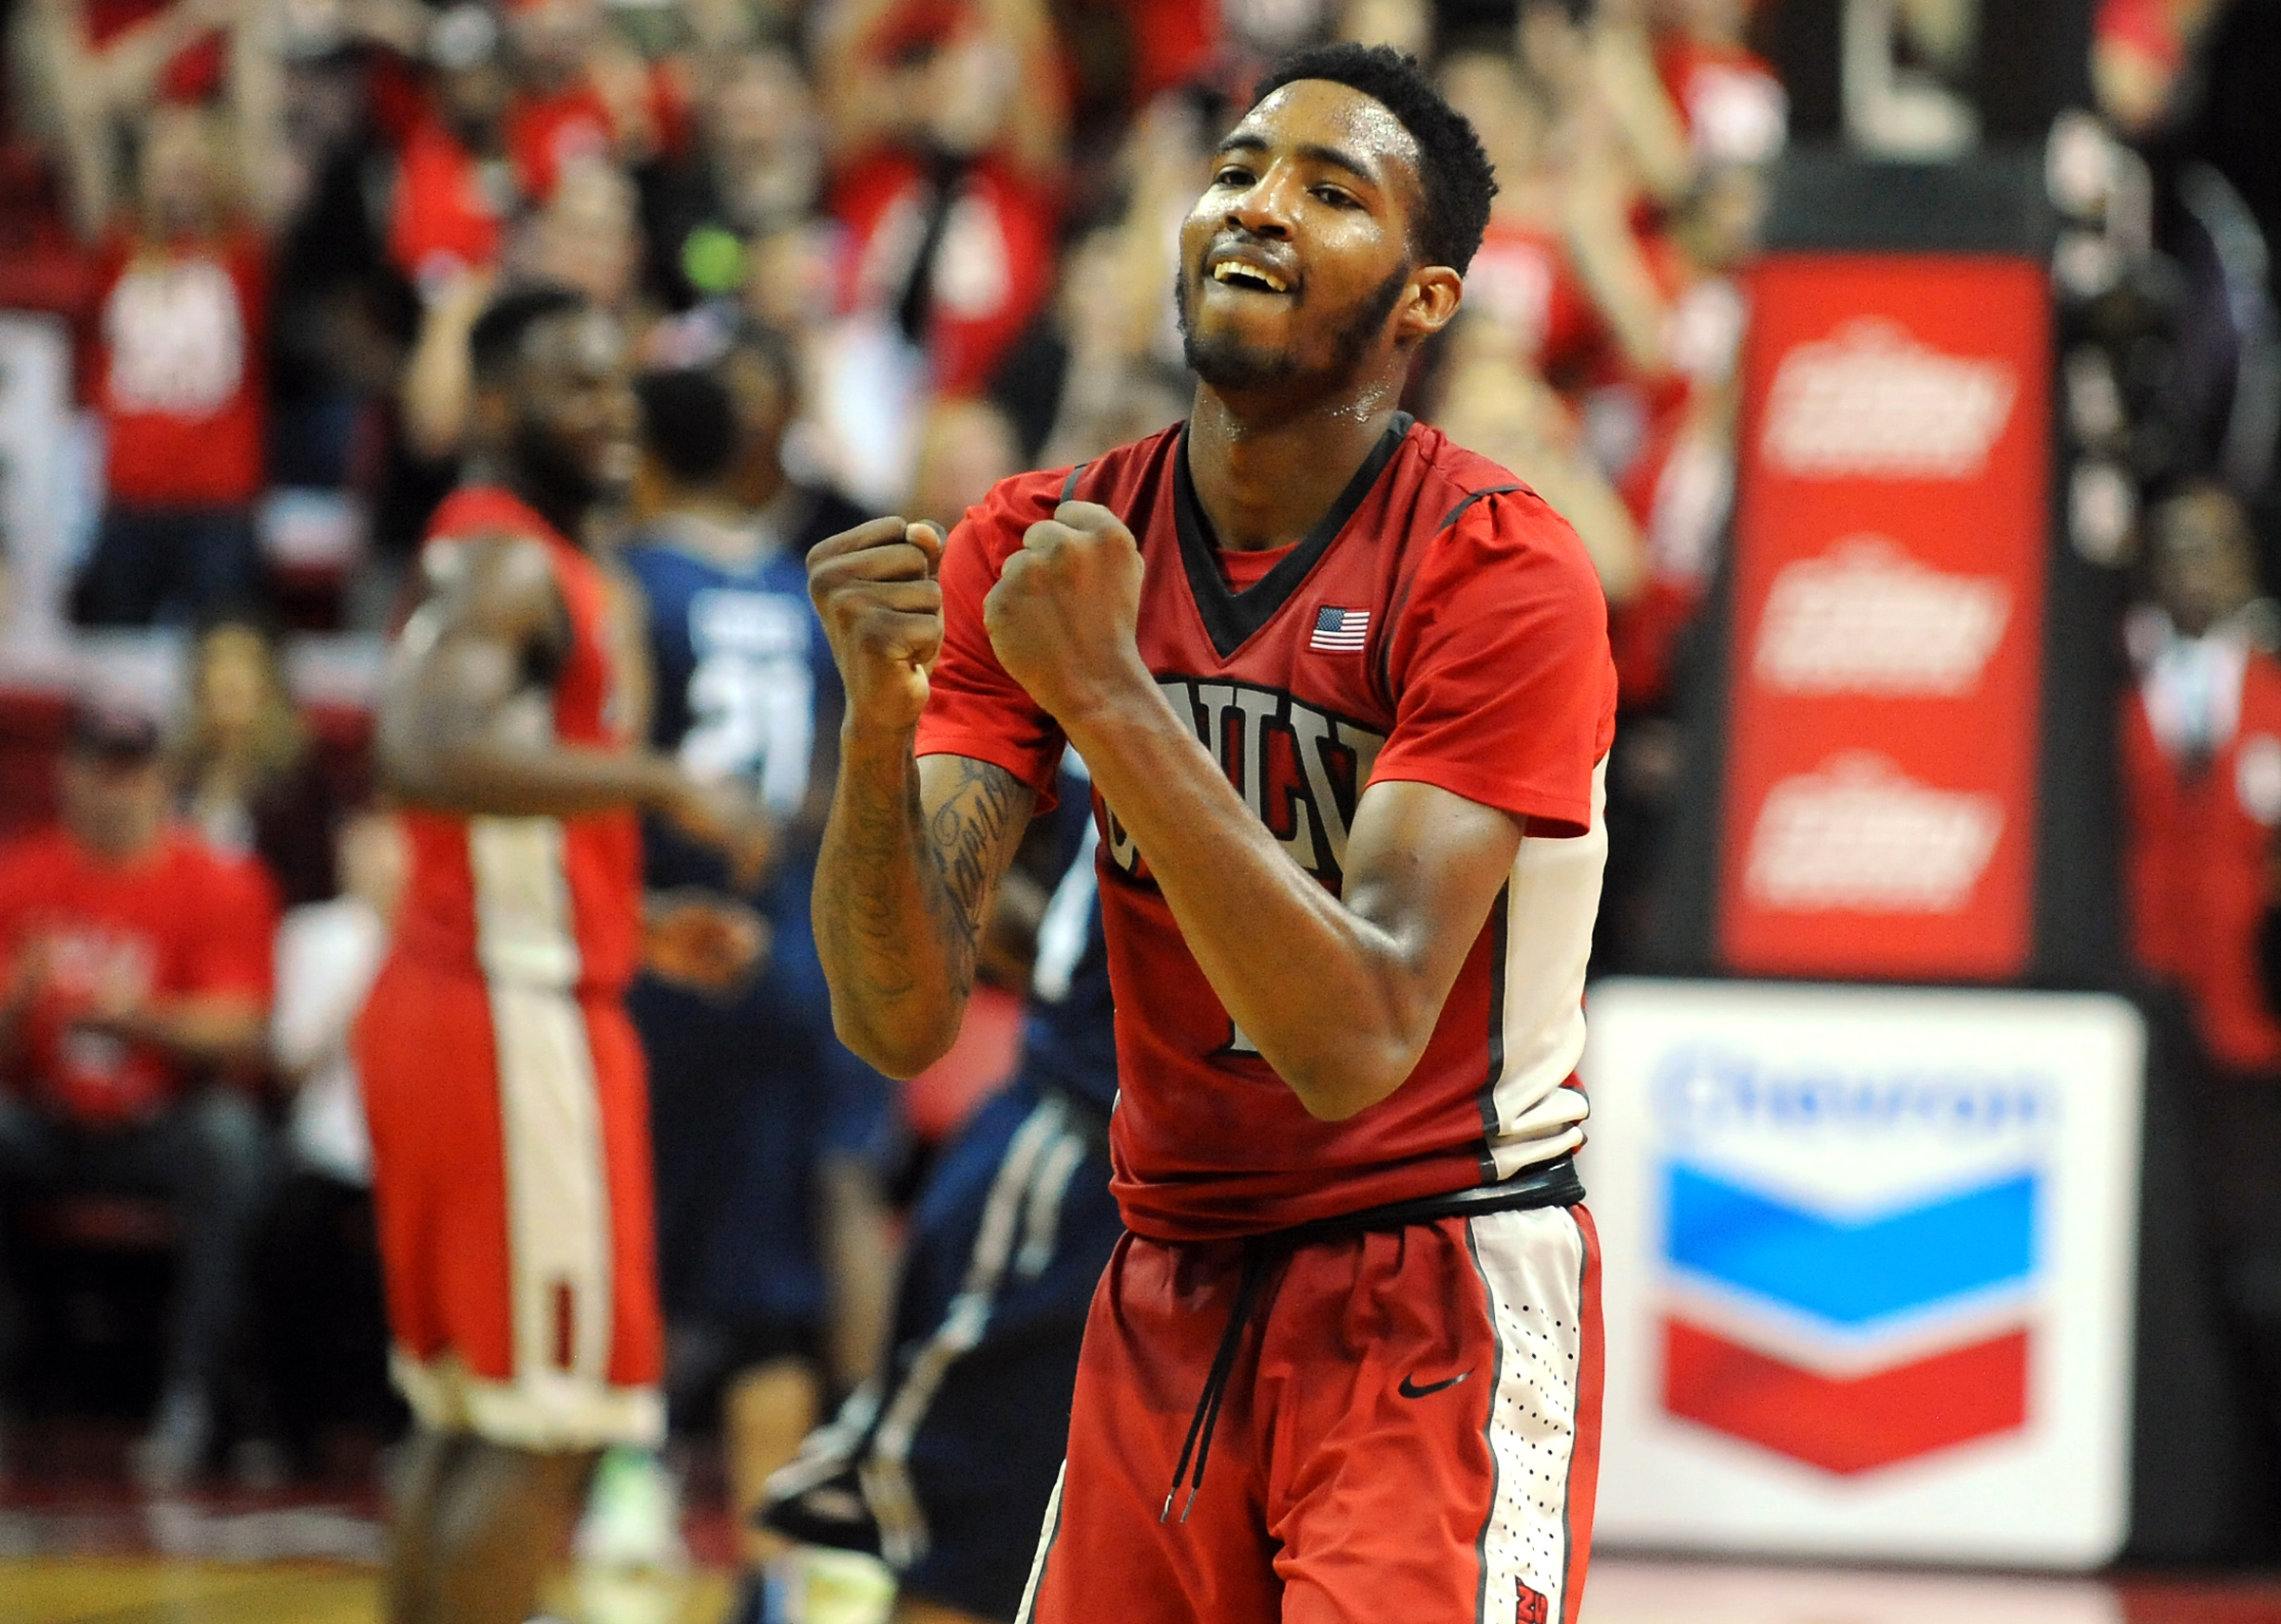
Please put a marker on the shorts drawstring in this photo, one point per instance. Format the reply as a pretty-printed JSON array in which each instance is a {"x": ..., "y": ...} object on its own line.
[
  {"x": 1255, "y": 1257},
  {"x": 1550, "y": 1184}
]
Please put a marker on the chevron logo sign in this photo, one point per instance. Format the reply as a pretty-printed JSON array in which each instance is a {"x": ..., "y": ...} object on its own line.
[
  {"x": 1851, "y": 1258},
  {"x": 1869, "y": 1268}
]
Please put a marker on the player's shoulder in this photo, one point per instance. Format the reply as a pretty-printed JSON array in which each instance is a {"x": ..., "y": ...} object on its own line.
[
  {"x": 1476, "y": 521},
  {"x": 1117, "y": 472},
  {"x": 490, "y": 529},
  {"x": 1461, "y": 495},
  {"x": 1111, "y": 478},
  {"x": 475, "y": 511},
  {"x": 657, "y": 563},
  {"x": 501, "y": 580}
]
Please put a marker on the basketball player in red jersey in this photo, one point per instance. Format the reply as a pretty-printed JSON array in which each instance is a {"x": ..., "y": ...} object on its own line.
[
  {"x": 502, "y": 1077},
  {"x": 1345, "y": 694}
]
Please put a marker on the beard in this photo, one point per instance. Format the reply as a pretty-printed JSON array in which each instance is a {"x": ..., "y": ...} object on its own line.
[
  {"x": 1229, "y": 363},
  {"x": 564, "y": 484}
]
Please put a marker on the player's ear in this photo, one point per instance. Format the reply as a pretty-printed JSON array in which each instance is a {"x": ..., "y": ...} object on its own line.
[{"x": 1429, "y": 302}]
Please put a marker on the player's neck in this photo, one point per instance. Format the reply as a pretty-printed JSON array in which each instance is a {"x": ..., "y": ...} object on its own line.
[
  {"x": 719, "y": 530},
  {"x": 1266, "y": 472},
  {"x": 562, "y": 509}
]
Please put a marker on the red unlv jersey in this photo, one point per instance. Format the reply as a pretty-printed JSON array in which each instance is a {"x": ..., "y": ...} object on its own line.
[
  {"x": 1442, "y": 625},
  {"x": 550, "y": 902}
]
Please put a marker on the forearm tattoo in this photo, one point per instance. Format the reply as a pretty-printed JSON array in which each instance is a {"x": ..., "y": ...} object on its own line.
[
  {"x": 953, "y": 862},
  {"x": 963, "y": 837}
]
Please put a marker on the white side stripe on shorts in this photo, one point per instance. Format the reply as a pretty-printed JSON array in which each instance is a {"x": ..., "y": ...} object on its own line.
[
  {"x": 1045, "y": 1537},
  {"x": 558, "y": 1199},
  {"x": 1531, "y": 1265}
]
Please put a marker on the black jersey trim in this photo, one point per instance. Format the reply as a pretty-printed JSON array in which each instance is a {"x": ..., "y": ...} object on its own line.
[
  {"x": 1499, "y": 946},
  {"x": 1471, "y": 497},
  {"x": 1230, "y": 618},
  {"x": 1069, "y": 485}
]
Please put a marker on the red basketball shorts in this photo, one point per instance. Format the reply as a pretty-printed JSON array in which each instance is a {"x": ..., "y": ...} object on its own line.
[
  {"x": 511, "y": 1175},
  {"x": 1411, "y": 1432}
]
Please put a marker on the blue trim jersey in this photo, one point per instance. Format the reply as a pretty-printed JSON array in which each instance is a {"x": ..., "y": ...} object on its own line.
[
  {"x": 747, "y": 1095},
  {"x": 745, "y": 683},
  {"x": 952, "y": 1454},
  {"x": 1068, "y": 1036}
]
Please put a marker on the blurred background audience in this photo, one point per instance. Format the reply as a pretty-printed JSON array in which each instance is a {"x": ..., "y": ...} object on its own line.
[
  {"x": 876, "y": 255},
  {"x": 136, "y": 1007}
]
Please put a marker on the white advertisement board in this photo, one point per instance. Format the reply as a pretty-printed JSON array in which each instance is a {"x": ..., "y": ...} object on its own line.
[{"x": 1868, "y": 1269}]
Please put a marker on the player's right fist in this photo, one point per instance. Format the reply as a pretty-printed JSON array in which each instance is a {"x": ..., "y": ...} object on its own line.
[{"x": 875, "y": 587}]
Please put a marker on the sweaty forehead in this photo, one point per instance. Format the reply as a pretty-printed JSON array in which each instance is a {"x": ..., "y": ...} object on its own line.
[{"x": 1323, "y": 113}]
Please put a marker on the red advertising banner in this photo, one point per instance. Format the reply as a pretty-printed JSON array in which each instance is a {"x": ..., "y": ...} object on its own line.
[{"x": 1889, "y": 596}]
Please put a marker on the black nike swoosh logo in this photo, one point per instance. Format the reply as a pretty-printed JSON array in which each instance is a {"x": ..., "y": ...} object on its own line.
[{"x": 1409, "y": 1389}]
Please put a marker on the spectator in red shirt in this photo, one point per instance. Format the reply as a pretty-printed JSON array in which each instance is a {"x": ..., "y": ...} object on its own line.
[
  {"x": 134, "y": 978},
  {"x": 2201, "y": 756},
  {"x": 454, "y": 187},
  {"x": 2201, "y": 779},
  {"x": 91, "y": 66},
  {"x": 1727, "y": 95},
  {"x": 947, "y": 124},
  {"x": 181, "y": 332},
  {"x": 584, "y": 94}
]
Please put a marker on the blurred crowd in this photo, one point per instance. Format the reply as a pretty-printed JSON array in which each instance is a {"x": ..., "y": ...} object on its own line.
[
  {"x": 919, "y": 245},
  {"x": 887, "y": 252},
  {"x": 285, "y": 215}
]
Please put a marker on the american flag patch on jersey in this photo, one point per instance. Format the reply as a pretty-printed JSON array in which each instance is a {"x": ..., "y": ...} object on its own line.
[{"x": 1339, "y": 631}]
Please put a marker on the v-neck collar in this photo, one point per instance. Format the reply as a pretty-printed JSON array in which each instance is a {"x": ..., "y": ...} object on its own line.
[{"x": 1231, "y": 617}]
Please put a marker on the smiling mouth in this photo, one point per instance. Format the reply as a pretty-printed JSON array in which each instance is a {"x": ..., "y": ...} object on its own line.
[{"x": 1248, "y": 278}]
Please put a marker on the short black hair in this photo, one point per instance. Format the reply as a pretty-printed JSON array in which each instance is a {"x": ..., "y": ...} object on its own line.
[
  {"x": 1452, "y": 168},
  {"x": 688, "y": 423},
  {"x": 495, "y": 342}
]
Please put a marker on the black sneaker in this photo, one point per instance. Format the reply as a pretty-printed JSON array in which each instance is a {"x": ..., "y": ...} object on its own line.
[{"x": 829, "y": 1511}]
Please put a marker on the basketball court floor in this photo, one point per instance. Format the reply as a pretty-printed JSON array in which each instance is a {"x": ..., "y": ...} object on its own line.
[
  {"x": 98, "y": 1559},
  {"x": 1626, "y": 1590}
]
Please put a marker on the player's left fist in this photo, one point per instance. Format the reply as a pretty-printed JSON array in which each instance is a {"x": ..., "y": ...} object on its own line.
[{"x": 1063, "y": 614}]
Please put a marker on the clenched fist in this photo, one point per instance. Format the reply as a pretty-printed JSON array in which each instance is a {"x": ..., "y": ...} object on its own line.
[
  {"x": 875, "y": 587},
  {"x": 1063, "y": 615}
]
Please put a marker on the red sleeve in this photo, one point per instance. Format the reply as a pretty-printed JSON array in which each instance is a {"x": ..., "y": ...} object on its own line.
[
  {"x": 238, "y": 932},
  {"x": 973, "y": 708},
  {"x": 1503, "y": 689}
]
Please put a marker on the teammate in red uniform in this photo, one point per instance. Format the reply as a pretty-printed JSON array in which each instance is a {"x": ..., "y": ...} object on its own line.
[
  {"x": 1346, "y": 690},
  {"x": 502, "y": 1077}
]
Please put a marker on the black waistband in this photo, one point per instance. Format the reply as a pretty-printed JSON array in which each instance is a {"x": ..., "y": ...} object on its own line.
[{"x": 1553, "y": 1184}]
